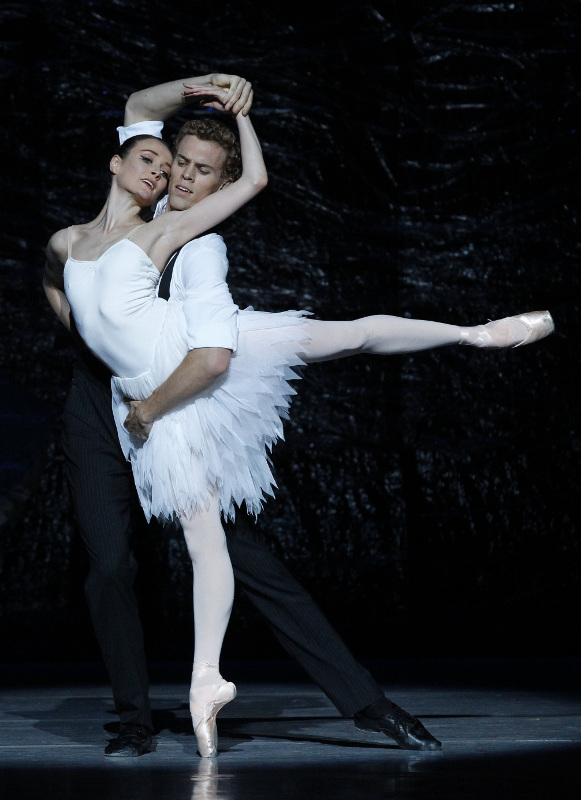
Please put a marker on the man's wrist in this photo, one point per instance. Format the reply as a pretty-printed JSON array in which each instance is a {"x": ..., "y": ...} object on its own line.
[{"x": 145, "y": 414}]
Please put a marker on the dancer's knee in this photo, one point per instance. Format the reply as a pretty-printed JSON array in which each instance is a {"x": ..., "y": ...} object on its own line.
[
  {"x": 331, "y": 340},
  {"x": 366, "y": 330},
  {"x": 110, "y": 575},
  {"x": 204, "y": 536}
]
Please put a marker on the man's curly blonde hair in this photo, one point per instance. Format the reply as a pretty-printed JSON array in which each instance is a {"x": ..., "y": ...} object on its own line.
[{"x": 211, "y": 130}]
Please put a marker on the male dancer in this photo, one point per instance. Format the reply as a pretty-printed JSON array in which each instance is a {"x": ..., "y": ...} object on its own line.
[{"x": 103, "y": 489}]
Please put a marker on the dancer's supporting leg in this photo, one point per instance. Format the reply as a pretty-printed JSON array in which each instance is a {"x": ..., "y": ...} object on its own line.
[
  {"x": 213, "y": 597},
  {"x": 387, "y": 335}
]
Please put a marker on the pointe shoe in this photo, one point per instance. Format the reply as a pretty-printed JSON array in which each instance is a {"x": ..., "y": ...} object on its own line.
[
  {"x": 501, "y": 332},
  {"x": 205, "y": 702}
]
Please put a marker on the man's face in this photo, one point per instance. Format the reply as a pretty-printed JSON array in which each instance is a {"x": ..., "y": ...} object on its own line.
[{"x": 196, "y": 172}]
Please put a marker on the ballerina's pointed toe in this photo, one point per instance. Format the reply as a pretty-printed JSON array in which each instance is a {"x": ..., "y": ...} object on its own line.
[
  {"x": 538, "y": 323},
  {"x": 205, "y": 703},
  {"x": 512, "y": 332}
]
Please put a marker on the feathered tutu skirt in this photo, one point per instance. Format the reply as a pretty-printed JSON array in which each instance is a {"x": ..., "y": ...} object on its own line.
[{"x": 219, "y": 442}]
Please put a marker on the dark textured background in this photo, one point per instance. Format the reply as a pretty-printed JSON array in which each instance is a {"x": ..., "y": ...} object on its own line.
[{"x": 423, "y": 161}]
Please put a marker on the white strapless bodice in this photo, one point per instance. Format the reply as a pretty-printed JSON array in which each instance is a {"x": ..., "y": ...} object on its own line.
[{"x": 115, "y": 306}]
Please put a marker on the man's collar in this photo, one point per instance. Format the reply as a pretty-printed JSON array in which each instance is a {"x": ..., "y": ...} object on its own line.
[{"x": 161, "y": 206}]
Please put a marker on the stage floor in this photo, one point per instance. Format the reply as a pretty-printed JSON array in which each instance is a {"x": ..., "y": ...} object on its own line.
[{"x": 287, "y": 741}]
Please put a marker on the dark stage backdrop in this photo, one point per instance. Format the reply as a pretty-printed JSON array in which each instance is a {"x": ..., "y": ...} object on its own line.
[{"x": 423, "y": 161}]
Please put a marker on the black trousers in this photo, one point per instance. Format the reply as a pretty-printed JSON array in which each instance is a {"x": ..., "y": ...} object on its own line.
[{"x": 104, "y": 500}]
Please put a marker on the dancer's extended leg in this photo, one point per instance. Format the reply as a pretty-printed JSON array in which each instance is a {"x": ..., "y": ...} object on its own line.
[
  {"x": 380, "y": 334},
  {"x": 387, "y": 335},
  {"x": 213, "y": 597}
]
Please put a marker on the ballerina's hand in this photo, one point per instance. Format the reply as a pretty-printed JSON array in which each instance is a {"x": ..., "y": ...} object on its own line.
[
  {"x": 133, "y": 422},
  {"x": 205, "y": 93},
  {"x": 239, "y": 92}
]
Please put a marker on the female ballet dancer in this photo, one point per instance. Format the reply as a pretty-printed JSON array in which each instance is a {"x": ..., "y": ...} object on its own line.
[{"x": 210, "y": 454}]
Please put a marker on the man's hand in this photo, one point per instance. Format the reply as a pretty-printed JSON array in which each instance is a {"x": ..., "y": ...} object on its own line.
[
  {"x": 135, "y": 423},
  {"x": 205, "y": 92},
  {"x": 197, "y": 372},
  {"x": 239, "y": 92}
]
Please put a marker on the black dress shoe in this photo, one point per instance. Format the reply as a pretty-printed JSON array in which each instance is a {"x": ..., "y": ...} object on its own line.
[
  {"x": 133, "y": 740},
  {"x": 385, "y": 717}
]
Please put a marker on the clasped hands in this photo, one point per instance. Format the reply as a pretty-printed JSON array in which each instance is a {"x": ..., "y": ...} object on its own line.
[{"x": 231, "y": 93}]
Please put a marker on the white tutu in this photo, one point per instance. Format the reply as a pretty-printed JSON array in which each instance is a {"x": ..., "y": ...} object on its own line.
[{"x": 221, "y": 440}]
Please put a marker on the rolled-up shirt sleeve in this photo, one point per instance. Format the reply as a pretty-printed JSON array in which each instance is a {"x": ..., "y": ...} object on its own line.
[{"x": 199, "y": 282}]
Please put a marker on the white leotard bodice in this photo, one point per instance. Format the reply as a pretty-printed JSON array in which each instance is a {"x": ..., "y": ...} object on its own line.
[{"x": 115, "y": 306}]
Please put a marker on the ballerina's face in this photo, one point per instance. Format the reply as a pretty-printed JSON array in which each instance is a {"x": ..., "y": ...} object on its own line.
[
  {"x": 196, "y": 172},
  {"x": 145, "y": 170}
]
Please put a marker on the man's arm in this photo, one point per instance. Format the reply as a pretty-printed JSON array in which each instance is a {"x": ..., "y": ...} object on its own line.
[
  {"x": 169, "y": 231},
  {"x": 197, "y": 372},
  {"x": 163, "y": 101}
]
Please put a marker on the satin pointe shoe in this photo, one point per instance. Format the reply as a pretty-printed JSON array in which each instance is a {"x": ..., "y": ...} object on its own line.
[
  {"x": 386, "y": 717},
  {"x": 511, "y": 331},
  {"x": 205, "y": 702}
]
